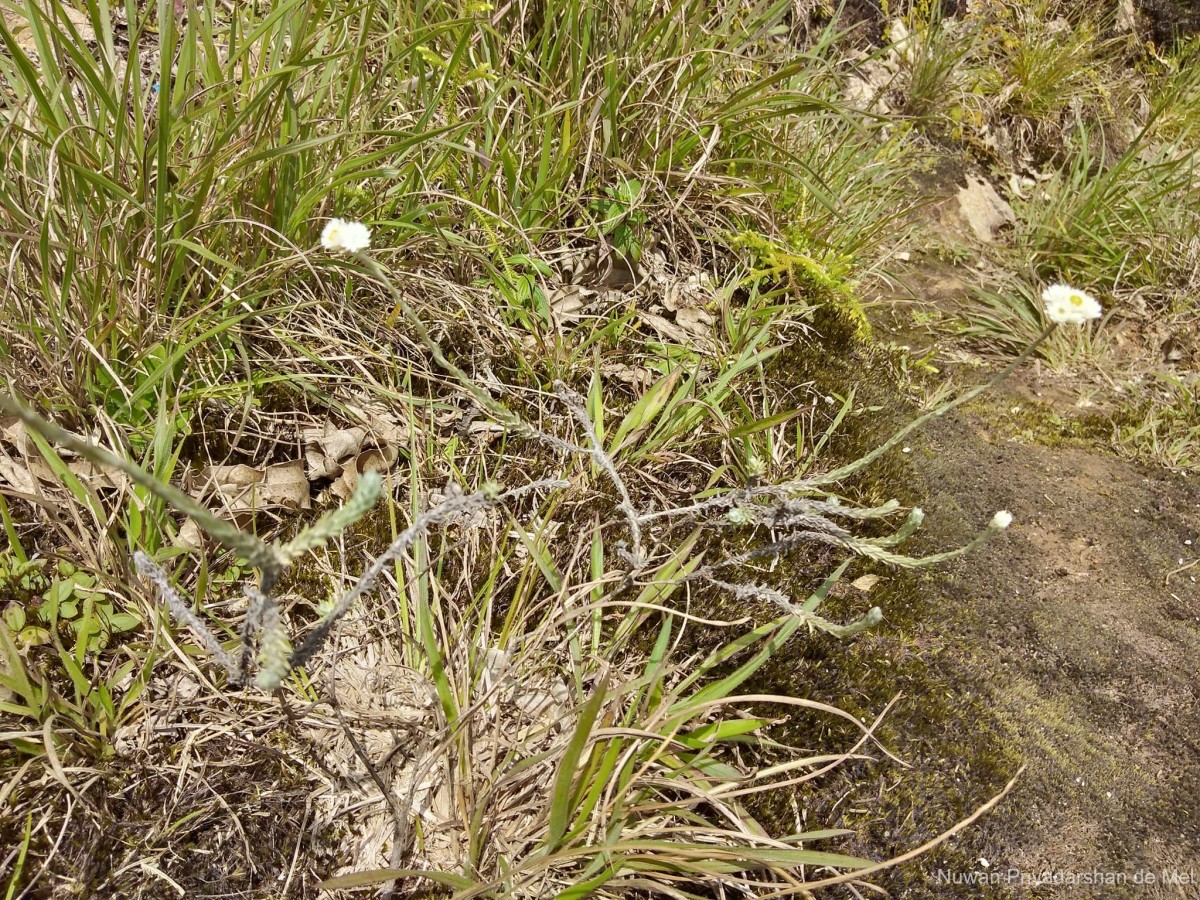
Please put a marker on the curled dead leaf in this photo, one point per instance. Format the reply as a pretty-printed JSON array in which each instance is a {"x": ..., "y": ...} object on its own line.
[
  {"x": 243, "y": 488},
  {"x": 381, "y": 460},
  {"x": 694, "y": 320},
  {"x": 327, "y": 448},
  {"x": 568, "y": 302},
  {"x": 637, "y": 377},
  {"x": 98, "y": 476}
]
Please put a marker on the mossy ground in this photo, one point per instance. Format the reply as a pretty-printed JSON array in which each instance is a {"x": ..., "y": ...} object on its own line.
[{"x": 1005, "y": 659}]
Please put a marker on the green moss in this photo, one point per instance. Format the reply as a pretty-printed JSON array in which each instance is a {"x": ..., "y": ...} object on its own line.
[
  {"x": 838, "y": 363},
  {"x": 821, "y": 281},
  {"x": 1039, "y": 423},
  {"x": 960, "y": 753}
]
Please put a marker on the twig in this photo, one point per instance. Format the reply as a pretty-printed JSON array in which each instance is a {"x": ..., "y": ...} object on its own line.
[{"x": 1184, "y": 568}]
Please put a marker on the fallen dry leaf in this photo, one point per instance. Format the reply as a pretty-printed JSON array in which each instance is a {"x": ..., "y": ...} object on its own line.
[
  {"x": 637, "y": 377},
  {"x": 667, "y": 330},
  {"x": 190, "y": 535},
  {"x": 25, "y": 469},
  {"x": 326, "y": 449},
  {"x": 18, "y": 23},
  {"x": 864, "y": 583},
  {"x": 694, "y": 320},
  {"x": 98, "y": 476},
  {"x": 243, "y": 488},
  {"x": 568, "y": 302},
  {"x": 17, "y": 474},
  {"x": 381, "y": 460},
  {"x": 287, "y": 486}
]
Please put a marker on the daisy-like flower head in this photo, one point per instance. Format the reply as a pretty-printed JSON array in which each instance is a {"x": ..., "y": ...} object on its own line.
[
  {"x": 339, "y": 235},
  {"x": 1066, "y": 305},
  {"x": 1002, "y": 520}
]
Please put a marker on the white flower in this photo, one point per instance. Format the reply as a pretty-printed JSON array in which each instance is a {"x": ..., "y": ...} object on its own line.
[
  {"x": 350, "y": 237},
  {"x": 1002, "y": 520},
  {"x": 1070, "y": 306}
]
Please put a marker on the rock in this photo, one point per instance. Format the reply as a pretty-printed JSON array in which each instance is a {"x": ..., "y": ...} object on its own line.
[
  {"x": 1170, "y": 20},
  {"x": 1126, "y": 16},
  {"x": 866, "y": 88},
  {"x": 984, "y": 209}
]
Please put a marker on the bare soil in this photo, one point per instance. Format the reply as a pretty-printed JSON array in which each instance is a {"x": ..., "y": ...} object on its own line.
[
  {"x": 1069, "y": 645},
  {"x": 1081, "y": 635}
]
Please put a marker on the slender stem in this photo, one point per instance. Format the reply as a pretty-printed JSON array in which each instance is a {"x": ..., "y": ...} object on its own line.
[{"x": 859, "y": 464}]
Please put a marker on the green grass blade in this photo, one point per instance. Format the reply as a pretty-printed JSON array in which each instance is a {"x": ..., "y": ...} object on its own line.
[{"x": 564, "y": 780}]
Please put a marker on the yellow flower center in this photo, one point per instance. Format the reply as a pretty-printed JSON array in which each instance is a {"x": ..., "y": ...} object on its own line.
[{"x": 1076, "y": 300}]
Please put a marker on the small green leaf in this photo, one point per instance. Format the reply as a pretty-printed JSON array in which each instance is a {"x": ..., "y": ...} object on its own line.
[
  {"x": 33, "y": 636},
  {"x": 89, "y": 625},
  {"x": 59, "y": 591},
  {"x": 14, "y": 617},
  {"x": 721, "y": 731},
  {"x": 120, "y": 622}
]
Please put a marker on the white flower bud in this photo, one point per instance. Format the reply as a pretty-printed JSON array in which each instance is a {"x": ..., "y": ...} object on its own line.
[{"x": 738, "y": 516}]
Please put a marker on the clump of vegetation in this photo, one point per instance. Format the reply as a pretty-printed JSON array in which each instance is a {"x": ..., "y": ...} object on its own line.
[
  {"x": 1090, "y": 135},
  {"x": 570, "y": 241}
]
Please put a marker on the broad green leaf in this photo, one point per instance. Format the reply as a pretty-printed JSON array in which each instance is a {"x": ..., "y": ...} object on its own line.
[{"x": 564, "y": 779}]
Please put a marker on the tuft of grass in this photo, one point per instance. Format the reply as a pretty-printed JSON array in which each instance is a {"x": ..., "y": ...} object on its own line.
[
  {"x": 1044, "y": 60},
  {"x": 1163, "y": 424},
  {"x": 937, "y": 57},
  {"x": 1132, "y": 225}
]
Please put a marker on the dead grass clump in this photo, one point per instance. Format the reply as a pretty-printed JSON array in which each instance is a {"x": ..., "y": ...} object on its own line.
[{"x": 192, "y": 804}]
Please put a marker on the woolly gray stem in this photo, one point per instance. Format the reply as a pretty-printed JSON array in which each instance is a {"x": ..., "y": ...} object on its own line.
[
  {"x": 911, "y": 524},
  {"x": 575, "y": 403},
  {"x": 257, "y": 602},
  {"x": 183, "y": 613},
  {"x": 452, "y": 507},
  {"x": 873, "y": 550},
  {"x": 752, "y": 591},
  {"x": 718, "y": 502}
]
